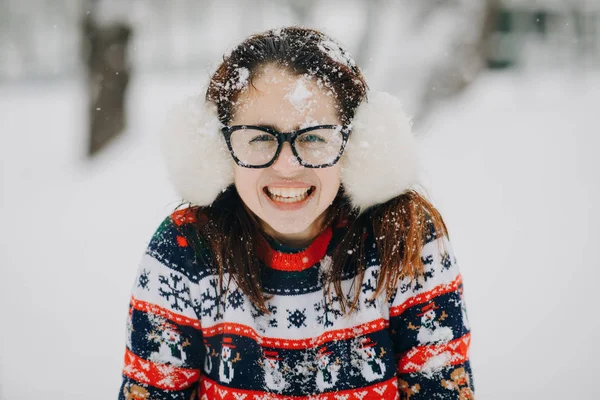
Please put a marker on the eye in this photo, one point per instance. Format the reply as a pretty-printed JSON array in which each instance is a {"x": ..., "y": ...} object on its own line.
[
  {"x": 308, "y": 138},
  {"x": 262, "y": 138}
]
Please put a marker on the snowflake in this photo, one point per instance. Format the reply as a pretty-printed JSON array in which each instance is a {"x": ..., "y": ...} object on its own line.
[
  {"x": 304, "y": 366},
  {"x": 420, "y": 282},
  {"x": 156, "y": 320},
  {"x": 350, "y": 299},
  {"x": 236, "y": 299},
  {"x": 369, "y": 287},
  {"x": 144, "y": 279},
  {"x": 446, "y": 262},
  {"x": 296, "y": 318},
  {"x": 212, "y": 301},
  {"x": 427, "y": 260},
  {"x": 336, "y": 52},
  {"x": 262, "y": 319},
  {"x": 181, "y": 295},
  {"x": 404, "y": 285},
  {"x": 328, "y": 311}
]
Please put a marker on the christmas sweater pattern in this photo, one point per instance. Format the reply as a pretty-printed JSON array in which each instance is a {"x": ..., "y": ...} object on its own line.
[{"x": 184, "y": 341}]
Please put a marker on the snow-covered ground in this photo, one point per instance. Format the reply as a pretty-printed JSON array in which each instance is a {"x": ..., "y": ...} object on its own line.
[{"x": 510, "y": 164}]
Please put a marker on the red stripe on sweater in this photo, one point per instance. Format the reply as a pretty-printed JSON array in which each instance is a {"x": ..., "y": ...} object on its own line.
[
  {"x": 232, "y": 328},
  {"x": 211, "y": 390},
  {"x": 162, "y": 376},
  {"x": 451, "y": 353},
  {"x": 179, "y": 319},
  {"x": 426, "y": 296},
  {"x": 295, "y": 261}
]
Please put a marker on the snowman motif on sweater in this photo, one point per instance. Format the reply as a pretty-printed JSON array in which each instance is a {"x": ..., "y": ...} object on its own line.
[
  {"x": 171, "y": 345},
  {"x": 274, "y": 379},
  {"x": 327, "y": 371},
  {"x": 372, "y": 366},
  {"x": 226, "y": 370},
  {"x": 430, "y": 330}
]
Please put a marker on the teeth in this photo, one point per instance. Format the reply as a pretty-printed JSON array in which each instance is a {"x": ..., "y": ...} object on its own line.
[
  {"x": 287, "y": 195},
  {"x": 287, "y": 192}
]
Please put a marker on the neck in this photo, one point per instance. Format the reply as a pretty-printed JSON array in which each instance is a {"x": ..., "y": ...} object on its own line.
[{"x": 298, "y": 240}]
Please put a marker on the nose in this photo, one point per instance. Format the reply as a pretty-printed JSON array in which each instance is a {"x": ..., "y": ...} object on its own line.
[{"x": 286, "y": 162}]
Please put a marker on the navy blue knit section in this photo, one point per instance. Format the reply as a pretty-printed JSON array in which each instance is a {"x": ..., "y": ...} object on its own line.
[
  {"x": 448, "y": 306},
  {"x": 144, "y": 346},
  {"x": 446, "y": 384},
  {"x": 291, "y": 282},
  {"x": 249, "y": 375},
  {"x": 165, "y": 247},
  {"x": 248, "y": 372}
]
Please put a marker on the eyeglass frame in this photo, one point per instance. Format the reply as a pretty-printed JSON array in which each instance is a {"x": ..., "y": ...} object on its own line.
[{"x": 283, "y": 137}]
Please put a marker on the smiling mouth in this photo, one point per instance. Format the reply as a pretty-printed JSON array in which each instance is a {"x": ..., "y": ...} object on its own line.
[{"x": 289, "y": 195}]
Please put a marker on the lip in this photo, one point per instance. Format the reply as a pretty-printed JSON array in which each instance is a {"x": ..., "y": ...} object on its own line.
[{"x": 289, "y": 206}]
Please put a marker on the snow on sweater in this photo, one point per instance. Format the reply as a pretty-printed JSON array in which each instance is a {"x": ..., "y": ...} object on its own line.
[{"x": 185, "y": 342}]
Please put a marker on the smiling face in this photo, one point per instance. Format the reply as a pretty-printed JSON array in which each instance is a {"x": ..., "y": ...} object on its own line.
[{"x": 290, "y": 200}]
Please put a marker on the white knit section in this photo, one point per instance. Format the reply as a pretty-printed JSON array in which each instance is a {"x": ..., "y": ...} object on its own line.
[
  {"x": 286, "y": 309},
  {"x": 296, "y": 316},
  {"x": 439, "y": 251},
  {"x": 148, "y": 289}
]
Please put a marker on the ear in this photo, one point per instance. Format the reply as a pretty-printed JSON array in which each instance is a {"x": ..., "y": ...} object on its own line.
[
  {"x": 196, "y": 155},
  {"x": 380, "y": 160}
]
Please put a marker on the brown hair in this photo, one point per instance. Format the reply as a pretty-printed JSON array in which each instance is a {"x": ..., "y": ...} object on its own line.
[{"x": 231, "y": 232}]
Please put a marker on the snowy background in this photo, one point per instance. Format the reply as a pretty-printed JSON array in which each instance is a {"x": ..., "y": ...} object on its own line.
[{"x": 510, "y": 161}]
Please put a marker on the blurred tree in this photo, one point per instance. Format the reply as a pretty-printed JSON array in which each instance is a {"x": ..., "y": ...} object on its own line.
[
  {"x": 105, "y": 49},
  {"x": 467, "y": 53}
]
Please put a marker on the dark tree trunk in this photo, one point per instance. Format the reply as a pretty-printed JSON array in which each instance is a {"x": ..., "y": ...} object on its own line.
[{"x": 108, "y": 76}]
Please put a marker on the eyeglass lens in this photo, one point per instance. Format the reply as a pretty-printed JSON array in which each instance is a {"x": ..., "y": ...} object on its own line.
[{"x": 316, "y": 147}]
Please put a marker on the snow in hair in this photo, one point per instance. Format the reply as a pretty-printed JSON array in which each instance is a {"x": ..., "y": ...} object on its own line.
[
  {"x": 196, "y": 155},
  {"x": 380, "y": 161}
]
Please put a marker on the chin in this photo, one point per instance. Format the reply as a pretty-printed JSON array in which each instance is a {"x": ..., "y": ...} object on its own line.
[{"x": 290, "y": 226}]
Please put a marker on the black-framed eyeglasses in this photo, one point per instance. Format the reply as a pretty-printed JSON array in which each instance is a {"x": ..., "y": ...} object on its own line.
[{"x": 254, "y": 146}]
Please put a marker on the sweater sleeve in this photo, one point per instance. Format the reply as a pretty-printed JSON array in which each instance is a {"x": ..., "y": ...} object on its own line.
[
  {"x": 430, "y": 330},
  {"x": 164, "y": 347}
]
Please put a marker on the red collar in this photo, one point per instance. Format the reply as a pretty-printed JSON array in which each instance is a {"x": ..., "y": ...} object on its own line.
[{"x": 295, "y": 261}]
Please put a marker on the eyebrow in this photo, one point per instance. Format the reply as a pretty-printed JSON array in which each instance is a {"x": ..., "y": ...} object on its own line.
[
  {"x": 269, "y": 126},
  {"x": 274, "y": 127}
]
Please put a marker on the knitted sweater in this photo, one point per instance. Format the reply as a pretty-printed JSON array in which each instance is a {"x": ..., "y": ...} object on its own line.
[{"x": 186, "y": 342}]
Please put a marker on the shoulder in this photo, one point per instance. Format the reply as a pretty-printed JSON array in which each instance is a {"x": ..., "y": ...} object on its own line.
[
  {"x": 413, "y": 247},
  {"x": 440, "y": 271},
  {"x": 177, "y": 246}
]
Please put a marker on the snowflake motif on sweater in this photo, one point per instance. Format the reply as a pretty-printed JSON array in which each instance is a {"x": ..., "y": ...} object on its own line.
[{"x": 189, "y": 337}]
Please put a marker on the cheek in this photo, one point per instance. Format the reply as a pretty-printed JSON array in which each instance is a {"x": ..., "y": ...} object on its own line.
[
  {"x": 330, "y": 181},
  {"x": 246, "y": 183}
]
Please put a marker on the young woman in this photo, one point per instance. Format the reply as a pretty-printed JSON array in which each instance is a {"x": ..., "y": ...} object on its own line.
[{"x": 305, "y": 265}]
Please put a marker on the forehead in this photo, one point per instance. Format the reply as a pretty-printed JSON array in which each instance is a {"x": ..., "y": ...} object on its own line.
[{"x": 287, "y": 101}]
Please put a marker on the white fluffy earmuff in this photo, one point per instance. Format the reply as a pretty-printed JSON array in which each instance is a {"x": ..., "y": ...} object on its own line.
[
  {"x": 378, "y": 164},
  {"x": 380, "y": 161},
  {"x": 198, "y": 162}
]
